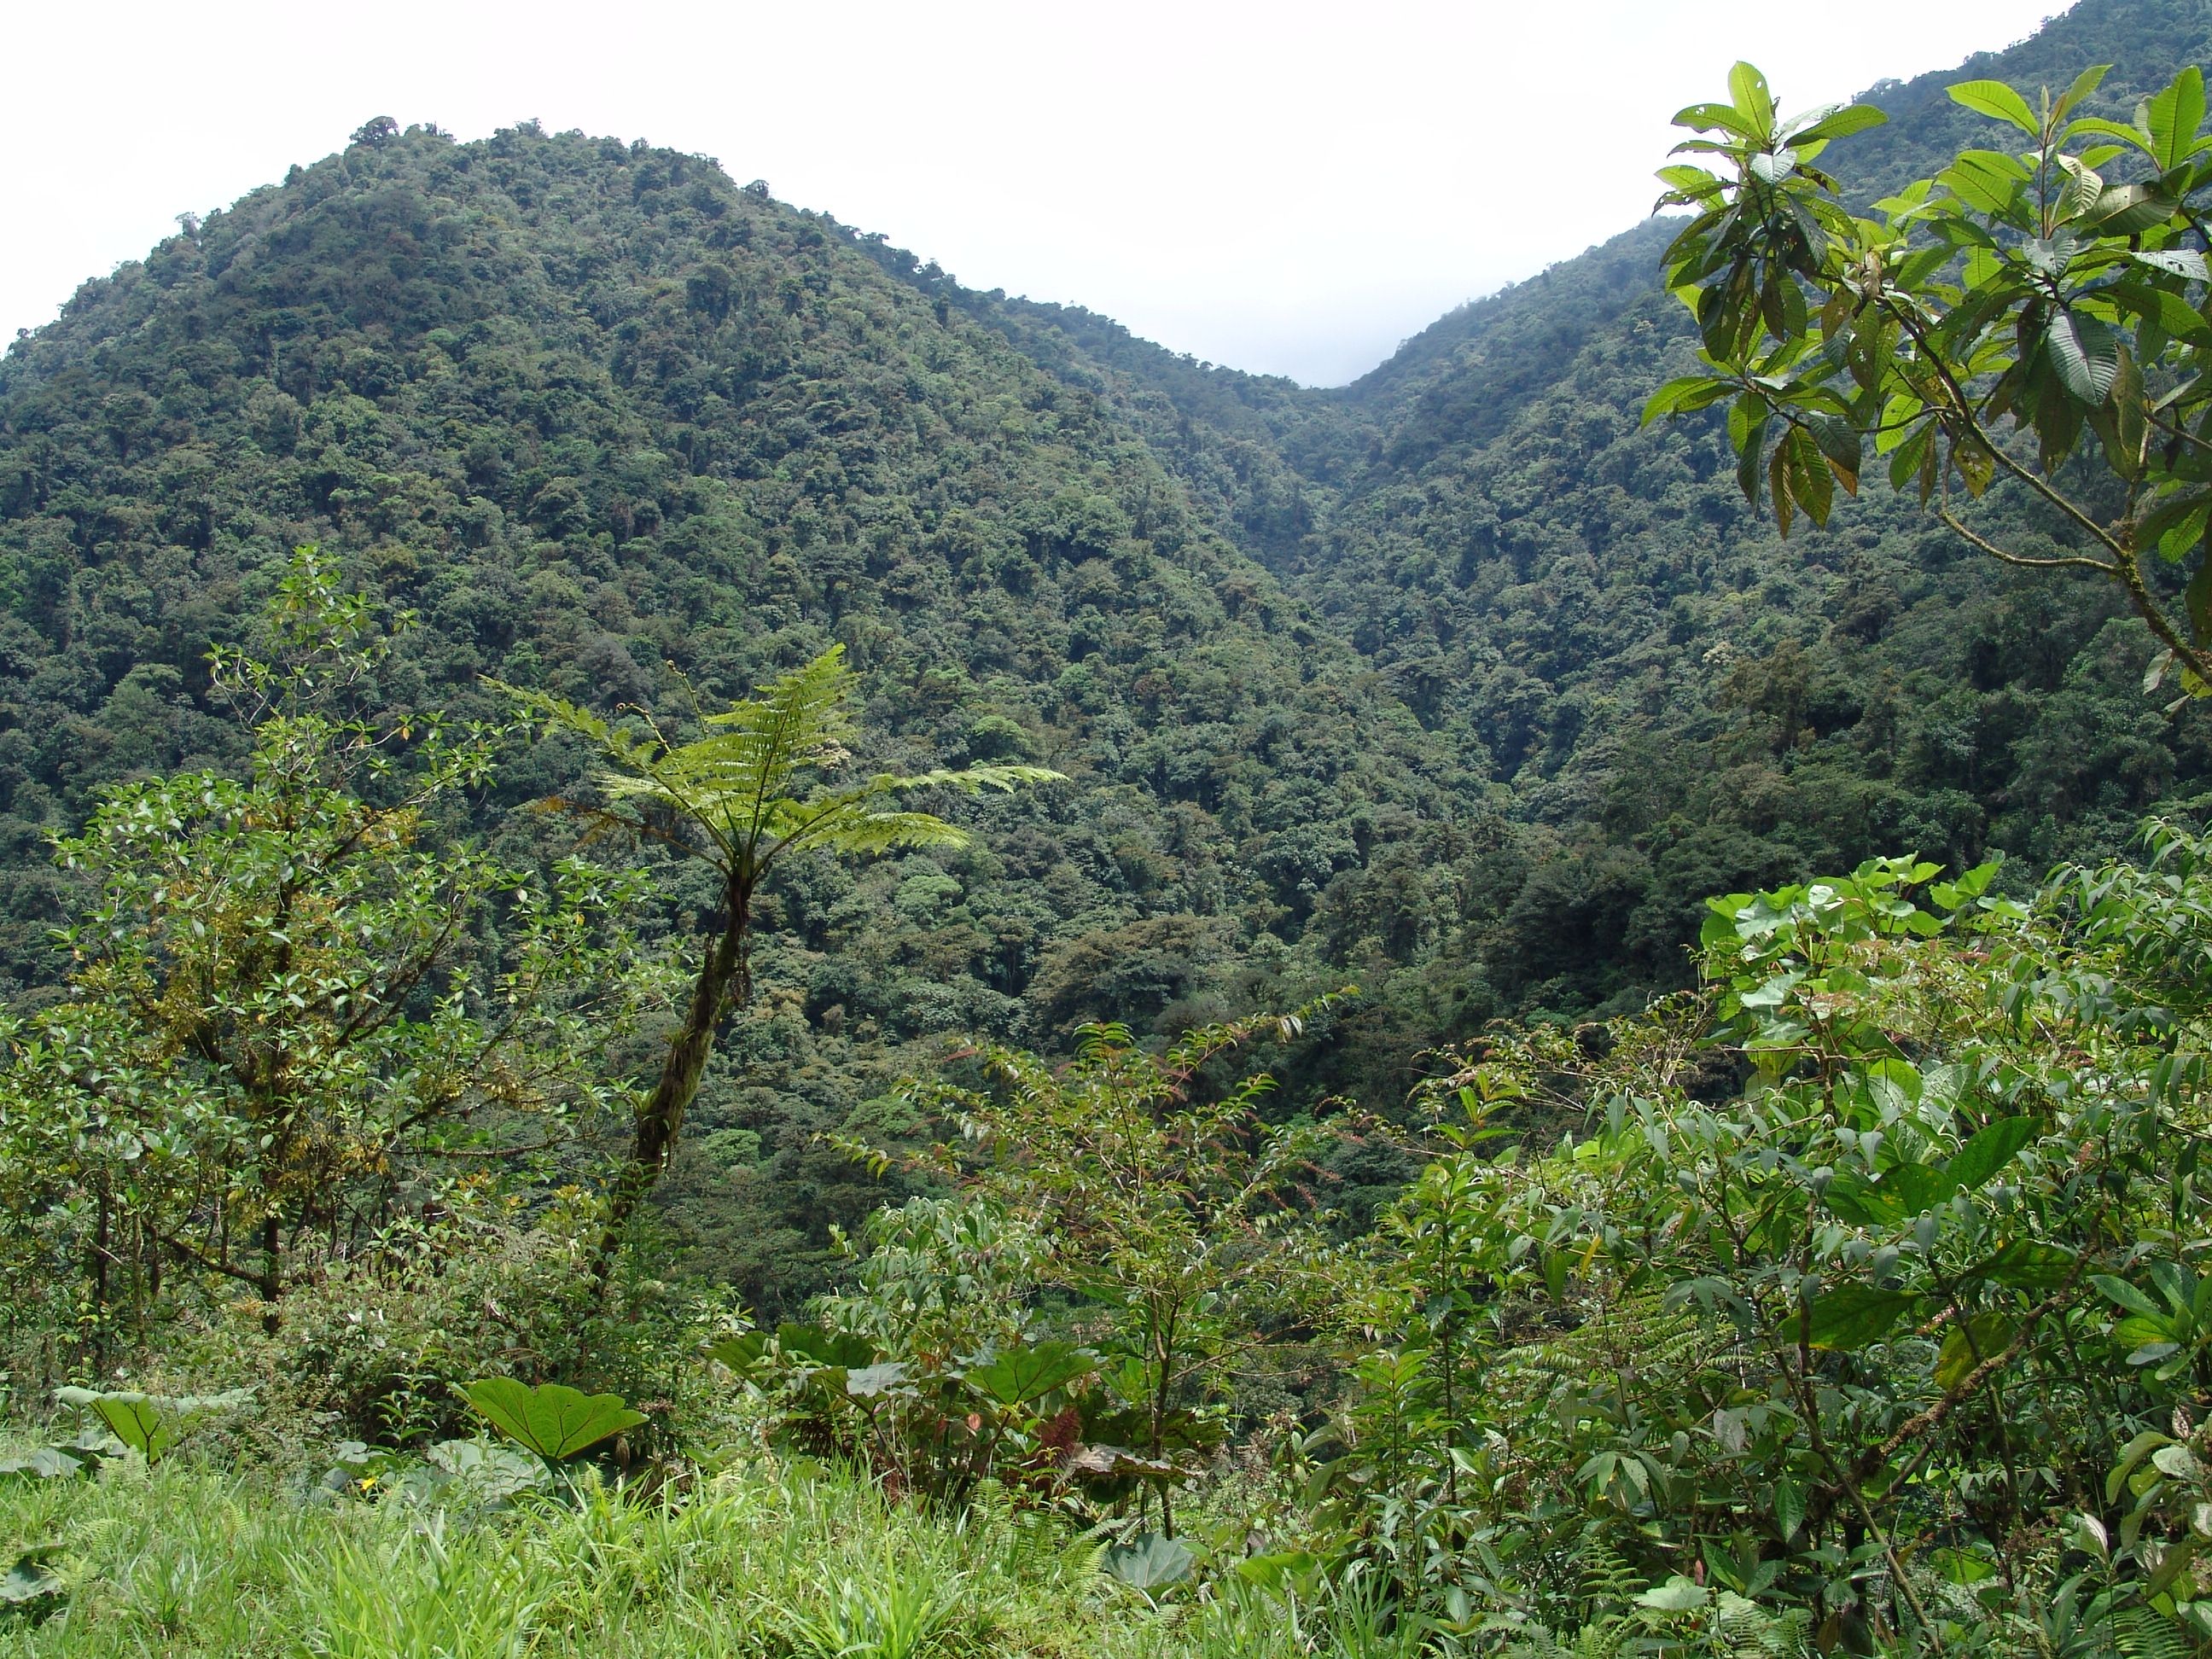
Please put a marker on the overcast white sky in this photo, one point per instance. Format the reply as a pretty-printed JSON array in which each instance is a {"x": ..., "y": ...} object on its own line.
[{"x": 1280, "y": 186}]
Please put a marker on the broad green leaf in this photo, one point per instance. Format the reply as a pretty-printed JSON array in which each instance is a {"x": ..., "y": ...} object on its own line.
[
  {"x": 552, "y": 1420},
  {"x": 1853, "y": 1198},
  {"x": 2172, "y": 116},
  {"x": 2177, "y": 1461},
  {"x": 1985, "y": 181},
  {"x": 1988, "y": 1150},
  {"x": 2140, "y": 1331},
  {"x": 1964, "y": 1566},
  {"x": 869, "y": 1382},
  {"x": 490, "y": 1475},
  {"x": 2088, "y": 1536},
  {"x": 1917, "y": 454},
  {"x": 1021, "y": 1375},
  {"x": 2126, "y": 210},
  {"x": 1682, "y": 396},
  {"x": 2084, "y": 351},
  {"x": 1848, "y": 1317},
  {"x": 1753, "y": 101},
  {"x": 2176, "y": 261},
  {"x": 1842, "y": 124},
  {"x": 2026, "y": 1265},
  {"x": 1789, "y": 1507},
  {"x": 1894, "y": 1084},
  {"x": 2175, "y": 525},
  {"x": 2084, "y": 83},
  {"x": 149, "y": 1424},
  {"x": 2096, "y": 125},
  {"x": 1965, "y": 1347},
  {"x": 1677, "y": 1595},
  {"x": 43, "y": 1463},
  {"x": 1999, "y": 102},
  {"x": 2124, "y": 1295},
  {"x": 823, "y": 1347},
  {"x": 740, "y": 1352},
  {"x": 1277, "y": 1569},
  {"x": 1713, "y": 118},
  {"x": 1719, "y": 927},
  {"x": 31, "y": 1579},
  {"x": 1149, "y": 1561},
  {"x": 2165, "y": 308},
  {"x": 1904, "y": 1190}
]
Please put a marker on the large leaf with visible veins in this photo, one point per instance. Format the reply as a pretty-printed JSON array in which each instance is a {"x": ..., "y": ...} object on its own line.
[{"x": 552, "y": 1420}]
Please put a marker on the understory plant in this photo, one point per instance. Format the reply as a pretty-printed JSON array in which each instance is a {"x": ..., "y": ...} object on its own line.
[
  {"x": 1175, "y": 1223},
  {"x": 1867, "y": 1283}
]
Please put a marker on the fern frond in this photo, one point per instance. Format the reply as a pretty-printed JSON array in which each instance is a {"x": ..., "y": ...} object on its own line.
[
  {"x": 972, "y": 779},
  {"x": 2144, "y": 1634}
]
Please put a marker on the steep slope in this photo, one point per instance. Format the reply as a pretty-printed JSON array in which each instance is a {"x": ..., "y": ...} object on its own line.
[
  {"x": 603, "y": 419},
  {"x": 1678, "y": 701}
]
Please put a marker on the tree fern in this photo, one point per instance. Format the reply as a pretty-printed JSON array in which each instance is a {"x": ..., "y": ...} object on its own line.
[{"x": 758, "y": 788}]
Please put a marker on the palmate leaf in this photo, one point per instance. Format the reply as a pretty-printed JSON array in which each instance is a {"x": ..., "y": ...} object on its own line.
[
  {"x": 149, "y": 1424},
  {"x": 43, "y": 1463},
  {"x": 1149, "y": 1561},
  {"x": 1024, "y": 1374},
  {"x": 816, "y": 1346},
  {"x": 32, "y": 1584},
  {"x": 552, "y": 1420}
]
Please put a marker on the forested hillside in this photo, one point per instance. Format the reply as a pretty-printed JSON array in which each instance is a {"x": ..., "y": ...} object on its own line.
[
  {"x": 1456, "y": 683},
  {"x": 615, "y": 427},
  {"x": 1676, "y": 701}
]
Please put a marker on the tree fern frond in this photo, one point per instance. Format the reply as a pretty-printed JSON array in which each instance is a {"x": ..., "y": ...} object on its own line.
[
  {"x": 885, "y": 832},
  {"x": 1607, "y": 1582},
  {"x": 558, "y": 711},
  {"x": 973, "y": 779}
]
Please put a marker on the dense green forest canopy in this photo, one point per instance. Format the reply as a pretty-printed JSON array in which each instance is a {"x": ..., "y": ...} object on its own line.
[{"x": 1455, "y": 682}]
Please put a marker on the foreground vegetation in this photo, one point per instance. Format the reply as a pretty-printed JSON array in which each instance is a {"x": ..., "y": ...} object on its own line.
[{"x": 761, "y": 1561}]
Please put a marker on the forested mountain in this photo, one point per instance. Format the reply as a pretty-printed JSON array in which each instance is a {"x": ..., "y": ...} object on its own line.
[
  {"x": 610, "y": 424},
  {"x": 1455, "y": 682},
  {"x": 1677, "y": 701}
]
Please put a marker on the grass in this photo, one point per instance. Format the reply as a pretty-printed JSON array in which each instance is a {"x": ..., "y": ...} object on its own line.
[{"x": 187, "y": 1559}]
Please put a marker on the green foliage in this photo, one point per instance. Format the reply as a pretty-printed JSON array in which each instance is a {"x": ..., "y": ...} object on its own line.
[
  {"x": 2017, "y": 283},
  {"x": 756, "y": 790},
  {"x": 188, "y": 1562},
  {"x": 885, "y": 1615},
  {"x": 1151, "y": 1561},
  {"x": 1457, "y": 682},
  {"x": 714, "y": 432},
  {"x": 1777, "y": 1319},
  {"x": 150, "y": 1424},
  {"x": 30, "y": 1587},
  {"x": 281, "y": 1030},
  {"x": 932, "y": 1423},
  {"x": 1852, "y": 1298},
  {"x": 1159, "y": 1197},
  {"x": 555, "y": 1421}
]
